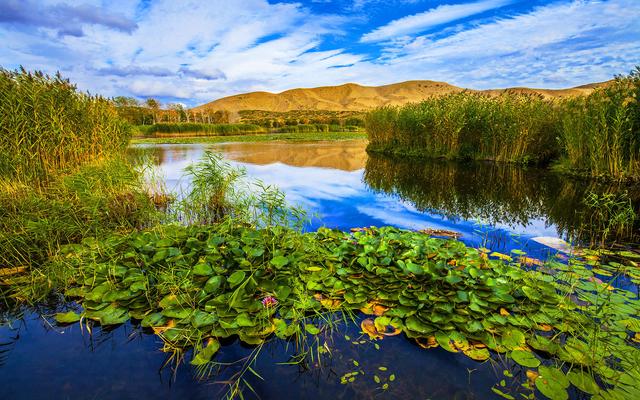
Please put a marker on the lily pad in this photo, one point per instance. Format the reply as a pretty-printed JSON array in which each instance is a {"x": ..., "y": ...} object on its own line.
[
  {"x": 67, "y": 318},
  {"x": 525, "y": 358}
]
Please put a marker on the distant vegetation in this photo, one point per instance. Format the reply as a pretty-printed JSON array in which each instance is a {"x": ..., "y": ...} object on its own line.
[
  {"x": 595, "y": 135},
  {"x": 193, "y": 129},
  {"x": 273, "y": 119}
]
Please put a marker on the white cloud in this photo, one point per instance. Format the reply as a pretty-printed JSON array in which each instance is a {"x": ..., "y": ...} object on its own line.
[
  {"x": 198, "y": 51},
  {"x": 436, "y": 16}
]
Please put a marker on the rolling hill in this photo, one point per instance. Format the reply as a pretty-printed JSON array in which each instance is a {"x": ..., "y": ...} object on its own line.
[{"x": 354, "y": 97}]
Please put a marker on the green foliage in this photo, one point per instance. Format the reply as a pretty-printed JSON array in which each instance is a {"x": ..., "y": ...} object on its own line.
[
  {"x": 202, "y": 128},
  {"x": 510, "y": 127},
  {"x": 262, "y": 137},
  {"x": 48, "y": 126},
  {"x": 588, "y": 326},
  {"x": 594, "y": 135},
  {"x": 601, "y": 132},
  {"x": 97, "y": 199}
]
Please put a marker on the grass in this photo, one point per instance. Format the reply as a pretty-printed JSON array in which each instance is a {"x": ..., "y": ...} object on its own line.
[
  {"x": 511, "y": 127},
  {"x": 308, "y": 136},
  {"x": 62, "y": 174},
  {"x": 594, "y": 135},
  {"x": 48, "y": 126},
  {"x": 203, "y": 129}
]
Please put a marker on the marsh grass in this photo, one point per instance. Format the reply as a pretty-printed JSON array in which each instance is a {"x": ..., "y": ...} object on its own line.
[
  {"x": 511, "y": 127},
  {"x": 209, "y": 129},
  {"x": 594, "y": 135},
  {"x": 48, "y": 126},
  {"x": 62, "y": 177}
]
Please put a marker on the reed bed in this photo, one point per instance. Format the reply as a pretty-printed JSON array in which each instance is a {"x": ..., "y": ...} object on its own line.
[
  {"x": 596, "y": 135},
  {"x": 510, "y": 127},
  {"x": 211, "y": 129},
  {"x": 62, "y": 172},
  {"x": 48, "y": 126},
  {"x": 160, "y": 130}
]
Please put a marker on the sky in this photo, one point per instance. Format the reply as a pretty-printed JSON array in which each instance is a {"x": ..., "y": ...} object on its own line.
[{"x": 192, "y": 52}]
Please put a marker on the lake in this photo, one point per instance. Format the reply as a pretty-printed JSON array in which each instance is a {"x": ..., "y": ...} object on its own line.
[{"x": 500, "y": 207}]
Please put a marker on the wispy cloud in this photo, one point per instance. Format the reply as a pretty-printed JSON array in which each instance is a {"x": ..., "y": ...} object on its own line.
[
  {"x": 65, "y": 19},
  {"x": 436, "y": 16},
  {"x": 194, "y": 51}
]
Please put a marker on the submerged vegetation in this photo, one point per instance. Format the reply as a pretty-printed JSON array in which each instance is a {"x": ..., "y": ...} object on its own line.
[{"x": 594, "y": 135}]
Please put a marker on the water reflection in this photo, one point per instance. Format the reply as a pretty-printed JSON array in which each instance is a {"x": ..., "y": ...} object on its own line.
[
  {"x": 500, "y": 206},
  {"x": 497, "y": 194}
]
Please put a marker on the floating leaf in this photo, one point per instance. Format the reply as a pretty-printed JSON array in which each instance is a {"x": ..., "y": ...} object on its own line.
[
  {"x": 236, "y": 278},
  {"x": 551, "y": 389},
  {"x": 204, "y": 356},
  {"x": 311, "y": 329},
  {"x": 525, "y": 358},
  {"x": 583, "y": 381},
  {"x": 67, "y": 318}
]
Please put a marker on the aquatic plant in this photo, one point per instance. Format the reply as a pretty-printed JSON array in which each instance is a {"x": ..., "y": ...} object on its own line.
[
  {"x": 510, "y": 127},
  {"x": 201, "y": 128},
  {"x": 196, "y": 285},
  {"x": 594, "y": 135},
  {"x": 600, "y": 132},
  {"x": 48, "y": 126}
]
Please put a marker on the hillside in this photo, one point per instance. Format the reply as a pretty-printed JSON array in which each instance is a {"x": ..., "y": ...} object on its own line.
[{"x": 354, "y": 97}]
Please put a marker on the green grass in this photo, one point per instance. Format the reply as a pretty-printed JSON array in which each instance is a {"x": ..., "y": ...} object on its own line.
[
  {"x": 48, "y": 126},
  {"x": 203, "y": 129},
  {"x": 62, "y": 177},
  {"x": 308, "y": 136}
]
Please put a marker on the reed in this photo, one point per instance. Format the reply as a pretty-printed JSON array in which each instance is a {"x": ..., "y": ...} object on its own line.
[
  {"x": 211, "y": 129},
  {"x": 511, "y": 127},
  {"x": 595, "y": 135},
  {"x": 48, "y": 126},
  {"x": 601, "y": 132}
]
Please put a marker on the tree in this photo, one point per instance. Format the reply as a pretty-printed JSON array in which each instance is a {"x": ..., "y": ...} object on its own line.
[{"x": 154, "y": 106}]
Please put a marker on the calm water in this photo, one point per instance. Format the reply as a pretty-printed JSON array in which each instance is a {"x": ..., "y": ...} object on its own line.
[{"x": 495, "y": 206}]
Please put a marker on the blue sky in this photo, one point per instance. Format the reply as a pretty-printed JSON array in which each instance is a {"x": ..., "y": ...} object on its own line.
[{"x": 196, "y": 51}]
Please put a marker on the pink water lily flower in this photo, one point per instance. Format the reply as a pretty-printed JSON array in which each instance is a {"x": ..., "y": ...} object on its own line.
[{"x": 269, "y": 301}]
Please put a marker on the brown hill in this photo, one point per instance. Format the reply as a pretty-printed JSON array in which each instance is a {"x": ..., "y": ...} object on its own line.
[{"x": 354, "y": 97}]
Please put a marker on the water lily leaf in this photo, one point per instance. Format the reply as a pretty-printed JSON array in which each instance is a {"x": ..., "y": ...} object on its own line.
[
  {"x": 155, "y": 319},
  {"x": 201, "y": 318},
  {"x": 245, "y": 320},
  {"x": 525, "y": 358},
  {"x": 551, "y": 389},
  {"x": 583, "y": 381},
  {"x": 478, "y": 354},
  {"x": 513, "y": 339},
  {"x": 204, "y": 355},
  {"x": 213, "y": 284},
  {"x": 67, "y": 318},
  {"x": 555, "y": 375},
  {"x": 445, "y": 342},
  {"x": 236, "y": 278},
  {"x": 311, "y": 329},
  {"x": 202, "y": 269},
  {"x": 279, "y": 261}
]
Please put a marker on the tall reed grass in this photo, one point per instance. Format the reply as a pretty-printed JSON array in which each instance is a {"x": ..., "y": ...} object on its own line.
[
  {"x": 600, "y": 133},
  {"x": 510, "y": 127},
  {"x": 596, "y": 135},
  {"x": 62, "y": 172},
  {"x": 48, "y": 126}
]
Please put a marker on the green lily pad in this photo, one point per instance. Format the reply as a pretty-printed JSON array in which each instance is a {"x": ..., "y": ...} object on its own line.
[
  {"x": 311, "y": 329},
  {"x": 236, "y": 278},
  {"x": 202, "y": 269},
  {"x": 204, "y": 356},
  {"x": 554, "y": 374},
  {"x": 551, "y": 389},
  {"x": 583, "y": 381},
  {"x": 279, "y": 261},
  {"x": 525, "y": 358},
  {"x": 67, "y": 318}
]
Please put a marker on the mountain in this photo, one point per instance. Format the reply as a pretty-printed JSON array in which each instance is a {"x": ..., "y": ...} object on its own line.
[{"x": 354, "y": 97}]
